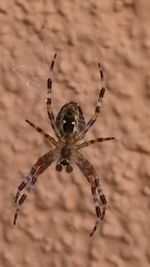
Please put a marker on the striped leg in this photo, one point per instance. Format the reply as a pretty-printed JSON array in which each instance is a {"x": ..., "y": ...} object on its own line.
[
  {"x": 99, "y": 102},
  {"x": 49, "y": 107},
  {"x": 90, "y": 142},
  {"x": 98, "y": 196},
  {"x": 25, "y": 186},
  {"x": 102, "y": 198},
  {"x": 47, "y": 136},
  {"x": 103, "y": 205}
]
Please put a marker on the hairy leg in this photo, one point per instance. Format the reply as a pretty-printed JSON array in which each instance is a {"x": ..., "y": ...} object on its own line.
[
  {"x": 25, "y": 186},
  {"x": 97, "y": 140},
  {"x": 47, "y": 136},
  {"x": 99, "y": 198},
  {"x": 99, "y": 102},
  {"x": 49, "y": 99}
]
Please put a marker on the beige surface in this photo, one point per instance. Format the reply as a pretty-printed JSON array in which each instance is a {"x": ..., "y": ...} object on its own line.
[{"x": 55, "y": 221}]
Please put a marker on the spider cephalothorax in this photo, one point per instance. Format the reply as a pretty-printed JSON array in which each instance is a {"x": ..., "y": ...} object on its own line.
[
  {"x": 69, "y": 127},
  {"x": 65, "y": 159}
]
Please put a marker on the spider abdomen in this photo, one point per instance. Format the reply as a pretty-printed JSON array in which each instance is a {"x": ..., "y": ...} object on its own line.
[
  {"x": 68, "y": 124},
  {"x": 70, "y": 120}
]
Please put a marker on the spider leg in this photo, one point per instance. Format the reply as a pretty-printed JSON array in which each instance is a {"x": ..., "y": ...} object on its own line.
[
  {"x": 99, "y": 198},
  {"x": 25, "y": 186},
  {"x": 47, "y": 136},
  {"x": 99, "y": 102},
  {"x": 103, "y": 200},
  {"x": 49, "y": 101},
  {"x": 93, "y": 141}
]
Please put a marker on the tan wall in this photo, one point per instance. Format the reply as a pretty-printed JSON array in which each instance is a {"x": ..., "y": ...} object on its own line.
[{"x": 54, "y": 223}]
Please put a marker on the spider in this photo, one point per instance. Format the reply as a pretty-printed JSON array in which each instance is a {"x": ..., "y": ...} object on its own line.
[{"x": 70, "y": 128}]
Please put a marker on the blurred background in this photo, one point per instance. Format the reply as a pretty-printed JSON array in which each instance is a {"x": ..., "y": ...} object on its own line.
[{"x": 54, "y": 223}]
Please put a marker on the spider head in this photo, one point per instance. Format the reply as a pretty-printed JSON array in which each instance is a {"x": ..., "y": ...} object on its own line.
[
  {"x": 70, "y": 120},
  {"x": 65, "y": 160}
]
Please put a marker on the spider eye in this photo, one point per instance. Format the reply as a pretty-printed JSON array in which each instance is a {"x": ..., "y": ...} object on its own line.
[{"x": 64, "y": 162}]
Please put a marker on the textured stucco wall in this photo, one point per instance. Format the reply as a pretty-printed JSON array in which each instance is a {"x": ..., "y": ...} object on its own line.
[{"x": 54, "y": 224}]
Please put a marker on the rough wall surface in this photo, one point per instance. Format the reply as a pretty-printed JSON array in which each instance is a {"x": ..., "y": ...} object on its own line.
[{"x": 54, "y": 223}]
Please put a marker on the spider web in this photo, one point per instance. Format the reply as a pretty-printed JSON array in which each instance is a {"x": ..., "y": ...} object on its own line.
[
  {"x": 34, "y": 84},
  {"x": 31, "y": 68}
]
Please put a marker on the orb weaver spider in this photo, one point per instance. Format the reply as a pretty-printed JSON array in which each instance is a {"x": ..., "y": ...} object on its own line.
[{"x": 69, "y": 127}]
